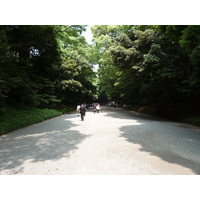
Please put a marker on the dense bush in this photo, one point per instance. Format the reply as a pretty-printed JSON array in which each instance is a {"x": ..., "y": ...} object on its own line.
[
  {"x": 195, "y": 120},
  {"x": 21, "y": 117}
]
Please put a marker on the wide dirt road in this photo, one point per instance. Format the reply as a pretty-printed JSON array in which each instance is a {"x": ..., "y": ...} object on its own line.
[{"x": 111, "y": 142}]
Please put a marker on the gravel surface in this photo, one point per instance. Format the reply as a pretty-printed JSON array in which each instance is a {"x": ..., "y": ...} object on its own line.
[{"x": 113, "y": 142}]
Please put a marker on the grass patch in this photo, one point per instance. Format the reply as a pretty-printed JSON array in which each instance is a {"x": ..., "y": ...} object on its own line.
[
  {"x": 194, "y": 120},
  {"x": 16, "y": 118}
]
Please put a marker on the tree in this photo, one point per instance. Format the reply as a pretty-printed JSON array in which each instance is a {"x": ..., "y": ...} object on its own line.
[
  {"x": 44, "y": 65},
  {"x": 76, "y": 70},
  {"x": 153, "y": 65}
]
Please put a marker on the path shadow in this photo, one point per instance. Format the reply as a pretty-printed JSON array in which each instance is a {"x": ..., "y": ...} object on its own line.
[
  {"x": 170, "y": 143},
  {"x": 127, "y": 114},
  {"x": 176, "y": 143},
  {"x": 49, "y": 140}
]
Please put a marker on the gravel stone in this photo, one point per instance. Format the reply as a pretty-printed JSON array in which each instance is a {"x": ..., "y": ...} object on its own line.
[{"x": 112, "y": 142}]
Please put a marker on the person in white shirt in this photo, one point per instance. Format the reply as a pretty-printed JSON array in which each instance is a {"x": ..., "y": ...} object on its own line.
[
  {"x": 98, "y": 107},
  {"x": 78, "y": 109}
]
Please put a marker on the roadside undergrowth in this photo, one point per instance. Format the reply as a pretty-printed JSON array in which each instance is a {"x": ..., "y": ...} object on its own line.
[
  {"x": 179, "y": 112},
  {"x": 15, "y": 118}
]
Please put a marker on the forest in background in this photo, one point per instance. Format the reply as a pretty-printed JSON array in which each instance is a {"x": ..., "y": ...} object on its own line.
[
  {"x": 150, "y": 68},
  {"x": 155, "y": 68},
  {"x": 44, "y": 72},
  {"x": 44, "y": 65}
]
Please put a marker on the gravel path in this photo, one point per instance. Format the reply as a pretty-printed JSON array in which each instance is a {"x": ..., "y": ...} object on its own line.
[{"x": 112, "y": 142}]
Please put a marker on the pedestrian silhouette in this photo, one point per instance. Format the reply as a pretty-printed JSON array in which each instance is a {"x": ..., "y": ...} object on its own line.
[
  {"x": 78, "y": 109},
  {"x": 82, "y": 111}
]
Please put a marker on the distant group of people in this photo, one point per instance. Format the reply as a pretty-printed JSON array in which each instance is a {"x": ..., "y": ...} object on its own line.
[
  {"x": 115, "y": 105},
  {"x": 96, "y": 107},
  {"x": 81, "y": 109}
]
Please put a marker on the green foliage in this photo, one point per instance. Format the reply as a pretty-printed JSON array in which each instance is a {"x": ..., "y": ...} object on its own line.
[
  {"x": 195, "y": 120},
  {"x": 44, "y": 65},
  {"x": 14, "y": 119},
  {"x": 149, "y": 65}
]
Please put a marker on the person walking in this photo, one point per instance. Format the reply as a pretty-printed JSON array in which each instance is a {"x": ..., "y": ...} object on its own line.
[
  {"x": 82, "y": 111},
  {"x": 78, "y": 109},
  {"x": 98, "y": 107},
  {"x": 94, "y": 108}
]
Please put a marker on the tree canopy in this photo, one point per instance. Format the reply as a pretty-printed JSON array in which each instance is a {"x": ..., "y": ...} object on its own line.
[
  {"x": 148, "y": 65},
  {"x": 46, "y": 65}
]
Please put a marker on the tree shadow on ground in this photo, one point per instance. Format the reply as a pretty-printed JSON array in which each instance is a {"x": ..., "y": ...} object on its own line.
[
  {"x": 170, "y": 143},
  {"x": 176, "y": 143},
  {"x": 50, "y": 140},
  {"x": 127, "y": 114}
]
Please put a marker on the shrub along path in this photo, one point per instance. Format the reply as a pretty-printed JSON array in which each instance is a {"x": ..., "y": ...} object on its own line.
[{"x": 15, "y": 118}]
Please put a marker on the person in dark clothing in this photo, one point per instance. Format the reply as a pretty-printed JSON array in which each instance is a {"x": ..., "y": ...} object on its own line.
[
  {"x": 94, "y": 107},
  {"x": 82, "y": 111}
]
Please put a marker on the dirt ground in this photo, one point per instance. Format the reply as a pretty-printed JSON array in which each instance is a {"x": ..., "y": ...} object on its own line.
[{"x": 113, "y": 142}]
